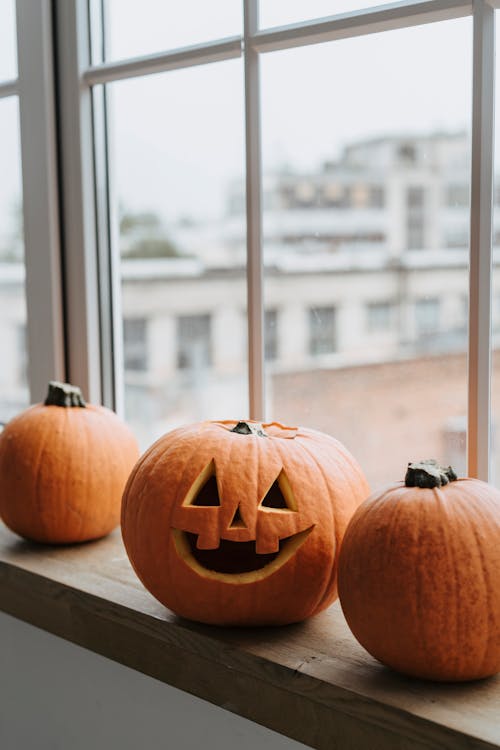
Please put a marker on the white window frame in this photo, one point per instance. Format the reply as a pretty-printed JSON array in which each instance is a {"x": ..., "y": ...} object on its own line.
[{"x": 69, "y": 204}]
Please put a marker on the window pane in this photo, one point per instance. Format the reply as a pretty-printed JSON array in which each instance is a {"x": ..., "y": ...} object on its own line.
[
  {"x": 280, "y": 12},
  {"x": 134, "y": 29},
  {"x": 8, "y": 44},
  {"x": 178, "y": 149},
  {"x": 13, "y": 368},
  {"x": 366, "y": 244}
]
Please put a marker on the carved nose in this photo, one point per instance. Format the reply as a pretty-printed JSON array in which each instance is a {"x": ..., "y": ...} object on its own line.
[{"x": 237, "y": 522}]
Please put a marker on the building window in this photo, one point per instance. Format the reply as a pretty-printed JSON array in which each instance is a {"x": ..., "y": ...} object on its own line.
[
  {"x": 458, "y": 237},
  {"x": 322, "y": 330},
  {"x": 135, "y": 350},
  {"x": 333, "y": 194},
  {"x": 377, "y": 196},
  {"x": 379, "y": 316},
  {"x": 360, "y": 196},
  {"x": 271, "y": 335},
  {"x": 194, "y": 342},
  {"x": 415, "y": 218},
  {"x": 427, "y": 313},
  {"x": 457, "y": 196},
  {"x": 305, "y": 193},
  {"x": 407, "y": 153}
]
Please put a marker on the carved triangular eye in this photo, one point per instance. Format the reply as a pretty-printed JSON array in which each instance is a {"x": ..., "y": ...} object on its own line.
[
  {"x": 280, "y": 496},
  {"x": 209, "y": 494},
  {"x": 204, "y": 491}
]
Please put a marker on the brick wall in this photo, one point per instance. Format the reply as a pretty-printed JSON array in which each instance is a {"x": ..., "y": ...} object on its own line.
[{"x": 386, "y": 414}]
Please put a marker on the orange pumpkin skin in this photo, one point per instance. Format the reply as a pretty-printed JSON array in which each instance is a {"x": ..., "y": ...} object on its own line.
[
  {"x": 325, "y": 485},
  {"x": 419, "y": 579},
  {"x": 62, "y": 472}
]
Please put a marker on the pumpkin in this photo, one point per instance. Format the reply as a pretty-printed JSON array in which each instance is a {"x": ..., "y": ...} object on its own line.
[
  {"x": 240, "y": 523},
  {"x": 419, "y": 575},
  {"x": 63, "y": 467}
]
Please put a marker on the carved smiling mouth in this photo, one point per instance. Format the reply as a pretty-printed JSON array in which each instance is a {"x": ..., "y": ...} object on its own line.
[{"x": 235, "y": 561}]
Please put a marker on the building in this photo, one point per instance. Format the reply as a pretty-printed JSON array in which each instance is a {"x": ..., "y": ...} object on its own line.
[{"x": 366, "y": 265}]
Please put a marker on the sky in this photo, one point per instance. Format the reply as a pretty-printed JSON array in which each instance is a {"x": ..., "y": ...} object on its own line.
[{"x": 177, "y": 139}]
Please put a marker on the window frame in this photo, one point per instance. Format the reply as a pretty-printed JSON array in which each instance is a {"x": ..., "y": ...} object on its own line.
[{"x": 72, "y": 283}]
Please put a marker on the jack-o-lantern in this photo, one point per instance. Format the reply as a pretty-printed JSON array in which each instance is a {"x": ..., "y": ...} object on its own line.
[{"x": 240, "y": 523}]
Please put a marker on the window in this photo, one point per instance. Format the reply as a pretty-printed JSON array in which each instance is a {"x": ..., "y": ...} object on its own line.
[
  {"x": 194, "y": 347},
  {"x": 457, "y": 196},
  {"x": 271, "y": 335},
  {"x": 163, "y": 158},
  {"x": 377, "y": 196},
  {"x": 415, "y": 221},
  {"x": 380, "y": 316},
  {"x": 322, "y": 331},
  {"x": 407, "y": 153},
  {"x": 182, "y": 259},
  {"x": 13, "y": 360},
  {"x": 135, "y": 348},
  {"x": 427, "y": 315}
]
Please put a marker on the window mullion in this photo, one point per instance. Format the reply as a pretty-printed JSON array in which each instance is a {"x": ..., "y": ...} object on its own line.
[
  {"x": 186, "y": 57},
  {"x": 479, "y": 365},
  {"x": 78, "y": 187},
  {"x": 45, "y": 331},
  {"x": 254, "y": 216},
  {"x": 371, "y": 20}
]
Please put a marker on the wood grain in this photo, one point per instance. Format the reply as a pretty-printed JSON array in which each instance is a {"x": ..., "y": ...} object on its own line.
[{"x": 311, "y": 682}]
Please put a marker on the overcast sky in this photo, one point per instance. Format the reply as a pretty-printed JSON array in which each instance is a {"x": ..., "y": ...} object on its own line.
[{"x": 178, "y": 138}]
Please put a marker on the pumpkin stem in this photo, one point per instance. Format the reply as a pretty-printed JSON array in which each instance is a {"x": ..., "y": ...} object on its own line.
[
  {"x": 429, "y": 474},
  {"x": 247, "y": 428},
  {"x": 64, "y": 394}
]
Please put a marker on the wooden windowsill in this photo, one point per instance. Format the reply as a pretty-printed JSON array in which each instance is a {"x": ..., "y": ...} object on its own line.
[{"x": 310, "y": 681}]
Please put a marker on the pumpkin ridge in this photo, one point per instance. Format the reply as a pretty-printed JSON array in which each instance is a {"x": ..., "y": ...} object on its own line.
[
  {"x": 488, "y": 591},
  {"x": 419, "y": 562},
  {"x": 44, "y": 441},
  {"x": 329, "y": 584},
  {"x": 447, "y": 520},
  {"x": 132, "y": 476},
  {"x": 419, "y": 596},
  {"x": 483, "y": 517},
  {"x": 84, "y": 457}
]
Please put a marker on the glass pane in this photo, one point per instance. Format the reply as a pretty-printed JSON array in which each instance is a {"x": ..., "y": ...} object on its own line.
[
  {"x": 366, "y": 225},
  {"x": 178, "y": 148},
  {"x": 13, "y": 362},
  {"x": 8, "y": 44},
  {"x": 495, "y": 299},
  {"x": 134, "y": 29},
  {"x": 281, "y": 12}
]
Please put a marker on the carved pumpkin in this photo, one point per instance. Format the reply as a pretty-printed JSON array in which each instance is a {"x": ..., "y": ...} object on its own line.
[
  {"x": 239, "y": 523},
  {"x": 63, "y": 467},
  {"x": 419, "y": 575}
]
